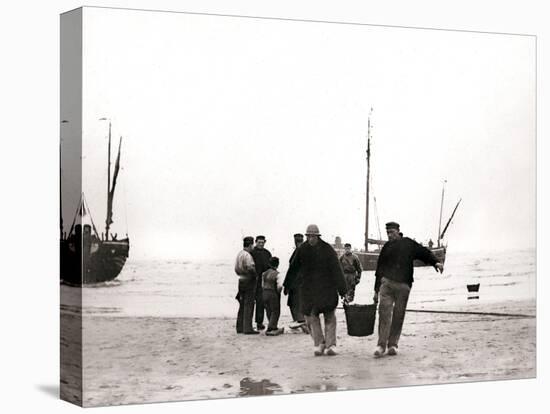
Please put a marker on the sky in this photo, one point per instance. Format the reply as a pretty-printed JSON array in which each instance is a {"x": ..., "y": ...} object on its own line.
[{"x": 238, "y": 126}]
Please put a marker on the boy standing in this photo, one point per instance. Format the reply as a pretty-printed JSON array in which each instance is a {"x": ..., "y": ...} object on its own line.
[{"x": 272, "y": 297}]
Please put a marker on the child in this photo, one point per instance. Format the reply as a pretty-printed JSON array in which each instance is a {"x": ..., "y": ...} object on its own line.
[{"x": 272, "y": 297}]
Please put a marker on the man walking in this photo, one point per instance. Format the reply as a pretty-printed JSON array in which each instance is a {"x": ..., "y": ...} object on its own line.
[
  {"x": 245, "y": 268},
  {"x": 352, "y": 271},
  {"x": 322, "y": 281},
  {"x": 292, "y": 286},
  {"x": 261, "y": 259},
  {"x": 394, "y": 279}
]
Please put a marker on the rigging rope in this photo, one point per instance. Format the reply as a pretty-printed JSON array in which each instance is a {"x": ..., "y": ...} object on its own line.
[
  {"x": 85, "y": 203},
  {"x": 125, "y": 204}
]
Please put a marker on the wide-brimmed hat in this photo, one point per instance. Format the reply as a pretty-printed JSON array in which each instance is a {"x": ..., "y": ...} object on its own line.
[{"x": 312, "y": 230}]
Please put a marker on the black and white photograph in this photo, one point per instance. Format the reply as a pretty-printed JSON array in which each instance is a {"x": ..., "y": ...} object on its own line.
[
  {"x": 274, "y": 207},
  {"x": 292, "y": 206}
]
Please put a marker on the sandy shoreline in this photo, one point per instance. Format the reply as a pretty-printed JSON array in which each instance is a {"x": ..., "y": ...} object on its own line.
[{"x": 147, "y": 359}]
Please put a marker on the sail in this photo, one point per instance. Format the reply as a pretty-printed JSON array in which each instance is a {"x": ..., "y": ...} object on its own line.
[
  {"x": 449, "y": 222},
  {"x": 111, "y": 194}
]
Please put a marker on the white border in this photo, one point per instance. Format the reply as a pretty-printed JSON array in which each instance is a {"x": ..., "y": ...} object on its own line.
[{"x": 30, "y": 112}]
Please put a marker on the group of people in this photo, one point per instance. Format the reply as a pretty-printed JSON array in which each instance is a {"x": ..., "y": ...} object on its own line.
[
  {"x": 316, "y": 277},
  {"x": 259, "y": 289}
]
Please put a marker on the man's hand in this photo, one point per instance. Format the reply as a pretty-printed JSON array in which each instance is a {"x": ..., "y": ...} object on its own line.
[
  {"x": 439, "y": 267},
  {"x": 375, "y": 297}
]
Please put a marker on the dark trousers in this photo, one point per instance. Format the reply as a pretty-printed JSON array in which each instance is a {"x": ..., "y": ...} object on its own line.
[
  {"x": 272, "y": 303},
  {"x": 295, "y": 305},
  {"x": 260, "y": 309},
  {"x": 245, "y": 296},
  {"x": 350, "y": 285},
  {"x": 391, "y": 311}
]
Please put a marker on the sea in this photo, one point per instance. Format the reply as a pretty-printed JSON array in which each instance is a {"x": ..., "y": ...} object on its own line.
[{"x": 201, "y": 289}]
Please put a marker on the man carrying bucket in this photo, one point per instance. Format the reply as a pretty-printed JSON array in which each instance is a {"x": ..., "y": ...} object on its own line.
[
  {"x": 322, "y": 281},
  {"x": 394, "y": 279},
  {"x": 352, "y": 271}
]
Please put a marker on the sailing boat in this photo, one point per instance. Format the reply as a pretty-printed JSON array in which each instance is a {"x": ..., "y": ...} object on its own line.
[
  {"x": 85, "y": 256},
  {"x": 369, "y": 258}
]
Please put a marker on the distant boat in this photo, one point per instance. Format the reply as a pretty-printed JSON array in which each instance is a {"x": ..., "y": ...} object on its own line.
[
  {"x": 473, "y": 287},
  {"x": 87, "y": 257},
  {"x": 369, "y": 259}
]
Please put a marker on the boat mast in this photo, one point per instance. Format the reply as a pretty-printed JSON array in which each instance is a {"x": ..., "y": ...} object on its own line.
[
  {"x": 107, "y": 220},
  {"x": 368, "y": 176},
  {"x": 440, "y": 215}
]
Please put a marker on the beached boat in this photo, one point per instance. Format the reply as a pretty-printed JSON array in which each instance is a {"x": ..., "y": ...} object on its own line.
[
  {"x": 86, "y": 256},
  {"x": 369, "y": 258}
]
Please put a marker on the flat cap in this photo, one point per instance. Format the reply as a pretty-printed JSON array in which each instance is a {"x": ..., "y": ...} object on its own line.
[{"x": 392, "y": 225}]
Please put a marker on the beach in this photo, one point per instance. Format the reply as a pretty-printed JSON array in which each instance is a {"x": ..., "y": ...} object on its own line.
[{"x": 138, "y": 359}]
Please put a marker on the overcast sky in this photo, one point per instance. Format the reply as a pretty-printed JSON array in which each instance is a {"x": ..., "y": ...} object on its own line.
[{"x": 236, "y": 126}]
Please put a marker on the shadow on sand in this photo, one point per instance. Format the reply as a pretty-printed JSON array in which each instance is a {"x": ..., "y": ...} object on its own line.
[{"x": 49, "y": 389}]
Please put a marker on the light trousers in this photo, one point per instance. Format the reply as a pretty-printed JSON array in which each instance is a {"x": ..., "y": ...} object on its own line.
[{"x": 328, "y": 338}]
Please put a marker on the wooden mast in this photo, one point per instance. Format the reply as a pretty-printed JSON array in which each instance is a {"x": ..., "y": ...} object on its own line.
[
  {"x": 368, "y": 181},
  {"x": 108, "y": 219},
  {"x": 111, "y": 194}
]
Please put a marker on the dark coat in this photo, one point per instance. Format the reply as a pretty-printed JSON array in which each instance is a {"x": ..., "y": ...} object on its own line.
[
  {"x": 396, "y": 261},
  {"x": 293, "y": 280},
  {"x": 261, "y": 260},
  {"x": 322, "y": 277}
]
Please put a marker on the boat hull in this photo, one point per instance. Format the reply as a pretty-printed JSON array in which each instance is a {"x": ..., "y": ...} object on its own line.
[
  {"x": 96, "y": 262},
  {"x": 369, "y": 260}
]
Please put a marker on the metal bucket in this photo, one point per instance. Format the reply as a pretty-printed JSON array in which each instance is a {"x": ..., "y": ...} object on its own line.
[{"x": 360, "y": 319}]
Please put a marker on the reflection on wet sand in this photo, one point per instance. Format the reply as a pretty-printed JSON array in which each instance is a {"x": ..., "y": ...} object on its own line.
[
  {"x": 328, "y": 386},
  {"x": 263, "y": 387}
]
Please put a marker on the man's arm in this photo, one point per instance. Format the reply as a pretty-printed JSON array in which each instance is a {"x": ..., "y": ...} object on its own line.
[
  {"x": 378, "y": 273},
  {"x": 377, "y": 282},
  {"x": 358, "y": 268},
  {"x": 424, "y": 254},
  {"x": 250, "y": 266}
]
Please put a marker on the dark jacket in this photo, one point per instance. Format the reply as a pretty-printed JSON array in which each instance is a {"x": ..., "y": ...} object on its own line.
[
  {"x": 261, "y": 260},
  {"x": 322, "y": 277},
  {"x": 293, "y": 279},
  {"x": 396, "y": 261},
  {"x": 351, "y": 264}
]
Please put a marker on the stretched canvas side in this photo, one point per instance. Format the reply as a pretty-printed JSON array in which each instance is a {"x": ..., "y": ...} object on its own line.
[{"x": 70, "y": 204}]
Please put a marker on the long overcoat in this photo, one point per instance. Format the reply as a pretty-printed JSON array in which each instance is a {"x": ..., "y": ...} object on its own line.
[{"x": 322, "y": 277}]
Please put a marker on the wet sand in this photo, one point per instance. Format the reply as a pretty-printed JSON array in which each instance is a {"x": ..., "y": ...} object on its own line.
[{"x": 147, "y": 359}]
